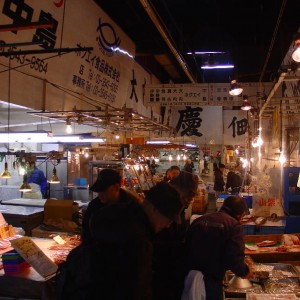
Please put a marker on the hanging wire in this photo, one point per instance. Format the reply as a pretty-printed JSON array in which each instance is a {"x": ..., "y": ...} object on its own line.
[
  {"x": 8, "y": 106},
  {"x": 273, "y": 40}
]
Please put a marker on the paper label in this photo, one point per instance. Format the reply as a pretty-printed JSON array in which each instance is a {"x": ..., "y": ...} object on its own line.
[
  {"x": 58, "y": 239},
  {"x": 34, "y": 256}
]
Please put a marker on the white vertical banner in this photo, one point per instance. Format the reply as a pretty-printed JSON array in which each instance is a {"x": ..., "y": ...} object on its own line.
[
  {"x": 235, "y": 127},
  {"x": 203, "y": 124}
]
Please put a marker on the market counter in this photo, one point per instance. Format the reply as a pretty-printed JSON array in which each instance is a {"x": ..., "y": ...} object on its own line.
[
  {"x": 29, "y": 284},
  {"x": 270, "y": 254},
  {"x": 23, "y": 216}
]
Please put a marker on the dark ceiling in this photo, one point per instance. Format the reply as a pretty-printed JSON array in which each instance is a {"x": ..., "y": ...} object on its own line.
[{"x": 254, "y": 34}]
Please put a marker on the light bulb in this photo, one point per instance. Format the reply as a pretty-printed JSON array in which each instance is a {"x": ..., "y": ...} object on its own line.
[
  {"x": 69, "y": 128},
  {"x": 170, "y": 157},
  {"x": 296, "y": 53},
  {"x": 282, "y": 158}
]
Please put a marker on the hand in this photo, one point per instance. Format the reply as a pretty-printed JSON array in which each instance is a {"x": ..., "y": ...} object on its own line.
[{"x": 249, "y": 262}]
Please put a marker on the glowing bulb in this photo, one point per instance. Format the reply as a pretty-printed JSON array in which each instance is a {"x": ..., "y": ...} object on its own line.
[
  {"x": 117, "y": 136},
  {"x": 282, "y": 158},
  {"x": 21, "y": 171},
  {"x": 170, "y": 157},
  {"x": 184, "y": 157},
  {"x": 69, "y": 128},
  {"x": 86, "y": 154},
  {"x": 296, "y": 53},
  {"x": 259, "y": 141},
  {"x": 178, "y": 157}
]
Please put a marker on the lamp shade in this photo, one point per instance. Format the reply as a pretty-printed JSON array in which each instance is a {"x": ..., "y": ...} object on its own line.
[
  {"x": 296, "y": 53},
  {"x": 235, "y": 89},
  {"x": 25, "y": 187},
  {"x": 5, "y": 174},
  {"x": 246, "y": 105},
  {"x": 54, "y": 178}
]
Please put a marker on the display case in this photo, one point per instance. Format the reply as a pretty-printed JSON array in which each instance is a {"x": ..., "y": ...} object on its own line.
[{"x": 135, "y": 176}]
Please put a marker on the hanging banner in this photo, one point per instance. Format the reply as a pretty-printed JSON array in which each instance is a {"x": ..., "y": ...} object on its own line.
[
  {"x": 210, "y": 125},
  {"x": 235, "y": 124},
  {"x": 203, "y": 124},
  {"x": 202, "y": 94},
  {"x": 62, "y": 81}
]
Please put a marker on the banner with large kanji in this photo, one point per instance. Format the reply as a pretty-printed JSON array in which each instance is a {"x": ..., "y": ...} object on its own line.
[{"x": 210, "y": 125}]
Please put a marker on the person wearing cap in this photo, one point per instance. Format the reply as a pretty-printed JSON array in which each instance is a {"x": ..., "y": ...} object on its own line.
[
  {"x": 108, "y": 187},
  {"x": 215, "y": 244},
  {"x": 219, "y": 182},
  {"x": 170, "y": 242},
  {"x": 119, "y": 261}
]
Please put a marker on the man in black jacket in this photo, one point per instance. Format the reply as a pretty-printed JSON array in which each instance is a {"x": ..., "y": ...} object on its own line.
[
  {"x": 215, "y": 244},
  {"x": 219, "y": 182},
  {"x": 108, "y": 187},
  {"x": 118, "y": 263}
]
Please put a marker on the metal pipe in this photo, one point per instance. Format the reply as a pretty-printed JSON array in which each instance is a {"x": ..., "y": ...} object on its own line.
[{"x": 147, "y": 7}]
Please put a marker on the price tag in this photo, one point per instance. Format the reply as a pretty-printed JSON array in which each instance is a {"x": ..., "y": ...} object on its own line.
[{"x": 58, "y": 239}]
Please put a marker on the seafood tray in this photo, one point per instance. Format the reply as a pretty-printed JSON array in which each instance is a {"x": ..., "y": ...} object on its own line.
[{"x": 278, "y": 270}]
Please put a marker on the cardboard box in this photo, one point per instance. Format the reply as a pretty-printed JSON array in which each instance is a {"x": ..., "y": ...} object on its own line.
[{"x": 59, "y": 209}]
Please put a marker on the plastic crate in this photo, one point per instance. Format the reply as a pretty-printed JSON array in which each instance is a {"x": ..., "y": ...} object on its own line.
[
  {"x": 249, "y": 229},
  {"x": 270, "y": 229}
]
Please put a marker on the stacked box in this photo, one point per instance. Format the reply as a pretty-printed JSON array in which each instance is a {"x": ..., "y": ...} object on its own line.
[
  {"x": 270, "y": 229},
  {"x": 249, "y": 229},
  {"x": 13, "y": 262}
]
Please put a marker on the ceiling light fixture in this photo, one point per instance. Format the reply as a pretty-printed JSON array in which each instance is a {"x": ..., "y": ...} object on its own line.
[
  {"x": 296, "y": 52},
  {"x": 69, "y": 126},
  {"x": 246, "y": 105},
  {"x": 44, "y": 137},
  {"x": 212, "y": 64},
  {"x": 5, "y": 174},
  {"x": 235, "y": 89},
  {"x": 54, "y": 178},
  {"x": 25, "y": 187},
  {"x": 157, "y": 142}
]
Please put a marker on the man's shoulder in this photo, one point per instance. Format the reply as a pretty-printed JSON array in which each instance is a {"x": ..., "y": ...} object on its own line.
[{"x": 127, "y": 195}]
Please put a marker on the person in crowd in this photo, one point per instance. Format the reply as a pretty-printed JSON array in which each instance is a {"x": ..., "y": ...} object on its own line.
[
  {"x": 169, "y": 244},
  {"x": 37, "y": 176},
  {"x": 219, "y": 182},
  {"x": 171, "y": 173},
  {"x": 215, "y": 244},
  {"x": 118, "y": 264},
  {"x": 188, "y": 166},
  {"x": 233, "y": 182},
  {"x": 108, "y": 187},
  {"x": 153, "y": 167}
]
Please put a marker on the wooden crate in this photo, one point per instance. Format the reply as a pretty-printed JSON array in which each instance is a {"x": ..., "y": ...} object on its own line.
[{"x": 199, "y": 205}]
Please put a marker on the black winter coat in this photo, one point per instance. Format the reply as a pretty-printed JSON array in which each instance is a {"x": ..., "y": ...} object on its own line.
[{"x": 215, "y": 244}]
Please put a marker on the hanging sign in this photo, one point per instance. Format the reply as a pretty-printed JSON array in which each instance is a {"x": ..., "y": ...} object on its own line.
[{"x": 202, "y": 94}]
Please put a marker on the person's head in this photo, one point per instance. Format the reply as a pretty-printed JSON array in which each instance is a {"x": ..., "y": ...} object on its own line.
[
  {"x": 31, "y": 165},
  {"x": 186, "y": 184},
  {"x": 188, "y": 161},
  {"x": 107, "y": 185},
  {"x": 173, "y": 172},
  {"x": 221, "y": 167},
  {"x": 162, "y": 205},
  {"x": 236, "y": 206}
]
